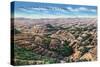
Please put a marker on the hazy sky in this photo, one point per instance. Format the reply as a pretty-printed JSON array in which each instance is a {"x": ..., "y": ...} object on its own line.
[{"x": 47, "y": 10}]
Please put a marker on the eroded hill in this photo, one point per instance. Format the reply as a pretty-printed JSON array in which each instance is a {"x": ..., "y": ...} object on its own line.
[{"x": 41, "y": 41}]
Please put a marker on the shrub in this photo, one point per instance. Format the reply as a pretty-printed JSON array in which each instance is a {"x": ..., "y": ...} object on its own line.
[{"x": 66, "y": 50}]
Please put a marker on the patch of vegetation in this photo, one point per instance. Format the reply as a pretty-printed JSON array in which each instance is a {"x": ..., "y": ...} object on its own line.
[
  {"x": 85, "y": 50},
  {"x": 48, "y": 60},
  {"x": 47, "y": 42},
  {"x": 49, "y": 26},
  {"x": 16, "y": 31},
  {"x": 65, "y": 51},
  {"x": 27, "y": 55}
]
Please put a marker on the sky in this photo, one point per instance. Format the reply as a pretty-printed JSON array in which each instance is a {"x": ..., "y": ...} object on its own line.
[{"x": 50, "y": 10}]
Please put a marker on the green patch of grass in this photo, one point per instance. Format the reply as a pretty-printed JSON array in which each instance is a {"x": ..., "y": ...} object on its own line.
[{"x": 26, "y": 54}]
